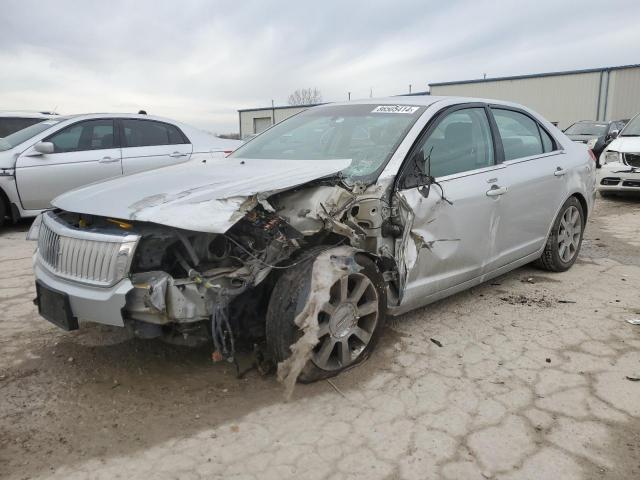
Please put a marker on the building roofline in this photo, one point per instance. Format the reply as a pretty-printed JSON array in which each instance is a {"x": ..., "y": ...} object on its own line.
[
  {"x": 535, "y": 75},
  {"x": 280, "y": 107}
]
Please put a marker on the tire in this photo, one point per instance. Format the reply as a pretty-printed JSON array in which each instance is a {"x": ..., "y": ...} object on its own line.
[
  {"x": 3, "y": 211},
  {"x": 565, "y": 239},
  {"x": 289, "y": 297},
  {"x": 607, "y": 194}
]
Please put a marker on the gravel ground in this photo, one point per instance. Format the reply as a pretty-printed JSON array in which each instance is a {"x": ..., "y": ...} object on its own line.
[{"x": 533, "y": 380}]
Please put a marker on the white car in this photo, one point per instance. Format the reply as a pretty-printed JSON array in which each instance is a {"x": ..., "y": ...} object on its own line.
[
  {"x": 49, "y": 158},
  {"x": 620, "y": 161},
  {"x": 12, "y": 121}
]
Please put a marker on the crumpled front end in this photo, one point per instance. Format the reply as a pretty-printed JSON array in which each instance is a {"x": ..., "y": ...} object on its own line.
[{"x": 193, "y": 286}]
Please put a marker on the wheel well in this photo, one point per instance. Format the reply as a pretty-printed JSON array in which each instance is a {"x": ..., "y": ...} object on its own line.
[
  {"x": 583, "y": 204},
  {"x": 7, "y": 206}
]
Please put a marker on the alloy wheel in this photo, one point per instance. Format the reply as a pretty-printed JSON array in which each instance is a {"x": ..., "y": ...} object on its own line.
[
  {"x": 346, "y": 322},
  {"x": 569, "y": 234}
]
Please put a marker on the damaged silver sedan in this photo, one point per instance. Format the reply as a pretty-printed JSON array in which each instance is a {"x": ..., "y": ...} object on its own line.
[{"x": 308, "y": 236}]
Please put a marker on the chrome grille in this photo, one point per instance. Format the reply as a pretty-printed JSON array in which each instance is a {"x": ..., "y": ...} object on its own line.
[
  {"x": 84, "y": 256},
  {"x": 632, "y": 159}
]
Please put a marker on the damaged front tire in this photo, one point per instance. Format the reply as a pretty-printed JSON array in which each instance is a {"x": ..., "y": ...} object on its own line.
[{"x": 348, "y": 308}]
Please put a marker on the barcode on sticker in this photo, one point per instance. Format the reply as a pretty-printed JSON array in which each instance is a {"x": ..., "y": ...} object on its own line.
[{"x": 394, "y": 109}]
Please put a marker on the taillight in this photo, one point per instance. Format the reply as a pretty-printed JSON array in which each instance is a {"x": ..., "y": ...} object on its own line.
[
  {"x": 592, "y": 155},
  {"x": 229, "y": 152}
]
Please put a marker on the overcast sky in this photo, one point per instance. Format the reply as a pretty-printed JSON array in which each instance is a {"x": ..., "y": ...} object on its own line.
[{"x": 200, "y": 61}]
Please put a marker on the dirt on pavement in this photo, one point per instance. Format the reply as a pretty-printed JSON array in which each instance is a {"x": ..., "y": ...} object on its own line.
[{"x": 530, "y": 376}]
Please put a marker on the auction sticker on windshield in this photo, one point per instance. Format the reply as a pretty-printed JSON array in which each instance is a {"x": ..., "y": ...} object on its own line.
[{"x": 394, "y": 109}]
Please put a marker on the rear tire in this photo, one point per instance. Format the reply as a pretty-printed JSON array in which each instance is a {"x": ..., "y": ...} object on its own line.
[
  {"x": 565, "y": 239},
  {"x": 3, "y": 211},
  {"x": 347, "y": 335}
]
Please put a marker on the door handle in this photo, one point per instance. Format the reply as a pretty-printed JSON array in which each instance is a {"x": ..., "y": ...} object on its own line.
[
  {"x": 109, "y": 160},
  {"x": 496, "y": 191},
  {"x": 177, "y": 155},
  {"x": 559, "y": 172}
]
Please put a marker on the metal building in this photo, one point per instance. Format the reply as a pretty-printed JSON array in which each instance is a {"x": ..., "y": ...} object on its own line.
[
  {"x": 256, "y": 120},
  {"x": 609, "y": 93}
]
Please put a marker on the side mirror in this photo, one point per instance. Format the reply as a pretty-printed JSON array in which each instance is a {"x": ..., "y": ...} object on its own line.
[
  {"x": 44, "y": 147},
  {"x": 415, "y": 174},
  {"x": 613, "y": 134}
]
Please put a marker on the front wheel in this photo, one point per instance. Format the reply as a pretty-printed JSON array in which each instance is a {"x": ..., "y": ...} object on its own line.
[
  {"x": 565, "y": 239},
  {"x": 349, "y": 322}
]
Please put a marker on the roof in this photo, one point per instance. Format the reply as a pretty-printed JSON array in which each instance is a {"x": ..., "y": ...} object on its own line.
[
  {"x": 26, "y": 114},
  {"x": 283, "y": 107},
  {"x": 535, "y": 75}
]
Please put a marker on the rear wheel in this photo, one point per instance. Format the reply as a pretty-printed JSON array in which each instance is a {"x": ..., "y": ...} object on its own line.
[
  {"x": 350, "y": 322},
  {"x": 565, "y": 240},
  {"x": 3, "y": 211}
]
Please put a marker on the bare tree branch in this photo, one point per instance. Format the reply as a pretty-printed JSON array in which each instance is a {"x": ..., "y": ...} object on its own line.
[{"x": 305, "y": 96}]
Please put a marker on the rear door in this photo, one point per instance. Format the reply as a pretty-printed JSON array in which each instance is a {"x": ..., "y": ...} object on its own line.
[
  {"x": 535, "y": 179},
  {"x": 449, "y": 232},
  {"x": 84, "y": 152},
  {"x": 149, "y": 144}
]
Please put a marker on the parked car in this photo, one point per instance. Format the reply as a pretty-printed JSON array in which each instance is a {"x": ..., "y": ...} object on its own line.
[
  {"x": 11, "y": 122},
  {"x": 620, "y": 162},
  {"x": 59, "y": 154},
  {"x": 596, "y": 135},
  {"x": 307, "y": 237}
]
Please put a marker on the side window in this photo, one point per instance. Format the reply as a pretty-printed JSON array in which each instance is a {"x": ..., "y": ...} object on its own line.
[
  {"x": 147, "y": 133},
  {"x": 520, "y": 134},
  {"x": 547, "y": 141},
  {"x": 9, "y": 125},
  {"x": 88, "y": 135},
  {"x": 461, "y": 142}
]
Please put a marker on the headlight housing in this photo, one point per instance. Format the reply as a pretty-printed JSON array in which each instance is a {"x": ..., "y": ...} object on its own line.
[
  {"x": 610, "y": 157},
  {"x": 34, "y": 231}
]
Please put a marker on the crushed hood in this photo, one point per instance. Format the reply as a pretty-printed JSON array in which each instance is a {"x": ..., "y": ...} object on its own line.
[
  {"x": 200, "y": 196},
  {"x": 625, "y": 145}
]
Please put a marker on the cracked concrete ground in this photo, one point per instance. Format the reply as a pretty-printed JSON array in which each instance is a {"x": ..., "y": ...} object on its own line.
[{"x": 530, "y": 383}]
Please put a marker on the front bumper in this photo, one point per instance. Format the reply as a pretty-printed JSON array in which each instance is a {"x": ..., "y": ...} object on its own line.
[
  {"x": 88, "y": 303},
  {"x": 618, "y": 177}
]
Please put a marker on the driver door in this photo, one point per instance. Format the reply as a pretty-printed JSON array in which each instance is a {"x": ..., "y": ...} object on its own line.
[
  {"x": 84, "y": 152},
  {"x": 450, "y": 227}
]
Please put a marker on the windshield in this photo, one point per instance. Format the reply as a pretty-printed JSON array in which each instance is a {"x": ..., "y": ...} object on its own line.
[
  {"x": 587, "y": 128},
  {"x": 632, "y": 129},
  {"x": 10, "y": 141},
  {"x": 366, "y": 134}
]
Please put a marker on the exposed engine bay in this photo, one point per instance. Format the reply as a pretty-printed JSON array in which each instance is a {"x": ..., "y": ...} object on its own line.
[{"x": 194, "y": 287}]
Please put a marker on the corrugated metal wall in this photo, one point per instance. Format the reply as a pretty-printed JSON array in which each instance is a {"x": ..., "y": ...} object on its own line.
[
  {"x": 545, "y": 95},
  {"x": 623, "y": 100},
  {"x": 563, "y": 98}
]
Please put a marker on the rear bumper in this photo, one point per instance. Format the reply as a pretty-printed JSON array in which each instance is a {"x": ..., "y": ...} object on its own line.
[
  {"x": 618, "y": 177},
  {"x": 88, "y": 303}
]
